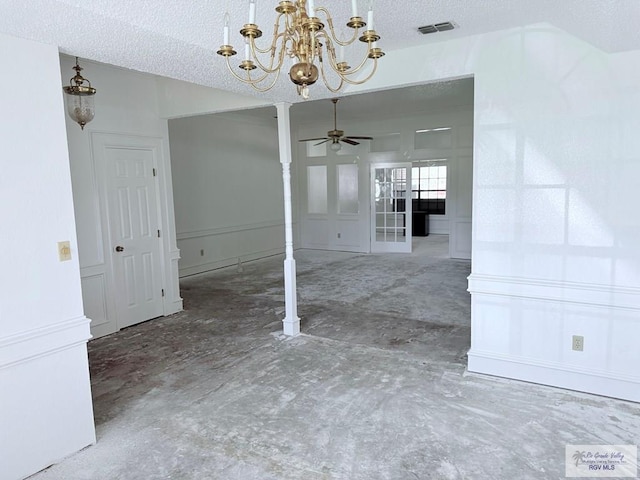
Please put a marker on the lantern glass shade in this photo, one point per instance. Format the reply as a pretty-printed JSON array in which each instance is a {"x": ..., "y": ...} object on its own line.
[
  {"x": 79, "y": 98},
  {"x": 80, "y": 104}
]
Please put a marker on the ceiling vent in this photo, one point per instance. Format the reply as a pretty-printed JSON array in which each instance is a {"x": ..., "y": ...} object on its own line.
[{"x": 438, "y": 27}]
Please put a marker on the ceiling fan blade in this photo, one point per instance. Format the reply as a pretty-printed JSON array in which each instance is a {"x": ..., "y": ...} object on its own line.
[
  {"x": 359, "y": 138},
  {"x": 349, "y": 141},
  {"x": 320, "y": 143},
  {"x": 312, "y": 139}
]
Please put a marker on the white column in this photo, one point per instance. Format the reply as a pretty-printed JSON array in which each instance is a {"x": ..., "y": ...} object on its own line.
[{"x": 291, "y": 322}]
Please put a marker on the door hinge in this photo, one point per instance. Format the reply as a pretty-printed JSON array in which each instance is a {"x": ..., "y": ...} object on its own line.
[
  {"x": 155, "y": 174},
  {"x": 163, "y": 292},
  {"x": 158, "y": 233}
]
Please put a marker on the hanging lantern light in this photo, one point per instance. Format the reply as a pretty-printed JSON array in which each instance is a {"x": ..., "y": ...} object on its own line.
[{"x": 79, "y": 98}]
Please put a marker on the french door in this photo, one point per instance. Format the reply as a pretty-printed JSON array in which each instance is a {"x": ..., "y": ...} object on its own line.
[{"x": 391, "y": 207}]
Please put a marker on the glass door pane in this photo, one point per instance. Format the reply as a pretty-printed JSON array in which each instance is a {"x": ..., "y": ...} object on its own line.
[{"x": 391, "y": 209}]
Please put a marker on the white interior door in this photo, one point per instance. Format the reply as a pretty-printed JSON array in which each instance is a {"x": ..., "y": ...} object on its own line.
[
  {"x": 391, "y": 207},
  {"x": 132, "y": 202}
]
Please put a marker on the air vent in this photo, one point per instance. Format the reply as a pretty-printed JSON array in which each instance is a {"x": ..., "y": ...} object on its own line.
[{"x": 438, "y": 27}]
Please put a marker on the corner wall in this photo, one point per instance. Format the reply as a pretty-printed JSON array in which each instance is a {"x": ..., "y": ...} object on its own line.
[
  {"x": 227, "y": 181},
  {"x": 125, "y": 112},
  {"x": 45, "y": 398},
  {"x": 555, "y": 231}
]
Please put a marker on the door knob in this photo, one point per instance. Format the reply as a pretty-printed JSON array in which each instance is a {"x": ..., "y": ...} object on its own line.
[{"x": 119, "y": 249}]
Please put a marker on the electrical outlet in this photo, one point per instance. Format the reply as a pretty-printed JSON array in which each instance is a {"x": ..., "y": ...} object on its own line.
[
  {"x": 64, "y": 251},
  {"x": 577, "y": 343}
]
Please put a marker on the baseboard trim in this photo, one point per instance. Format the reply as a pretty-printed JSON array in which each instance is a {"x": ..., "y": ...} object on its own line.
[
  {"x": 228, "y": 262},
  {"x": 173, "y": 307},
  {"x": 556, "y": 375},
  {"x": 38, "y": 342}
]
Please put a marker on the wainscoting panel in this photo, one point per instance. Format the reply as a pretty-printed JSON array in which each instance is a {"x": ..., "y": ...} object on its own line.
[
  {"x": 94, "y": 300},
  {"x": 438, "y": 225},
  {"x": 173, "y": 302},
  {"x": 523, "y": 329},
  {"x": 461, "y": 241},
  {"x": 47, "y": 372},
  {"x": 315, "y": 232},
  {"x": 207, "y": 250},
  {"x": 348, "y": 234}
]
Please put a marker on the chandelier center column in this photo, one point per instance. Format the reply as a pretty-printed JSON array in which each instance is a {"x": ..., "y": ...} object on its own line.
[{"x": 291, "y": 322}]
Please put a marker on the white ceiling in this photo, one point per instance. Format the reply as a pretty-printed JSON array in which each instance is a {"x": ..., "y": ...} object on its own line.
[{"x": 179, "y": 38}]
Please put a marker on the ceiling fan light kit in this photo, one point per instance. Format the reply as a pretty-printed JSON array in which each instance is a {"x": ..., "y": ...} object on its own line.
[
  {"x": 316, "y": 52},
  {"x": 336, "y": 136}
]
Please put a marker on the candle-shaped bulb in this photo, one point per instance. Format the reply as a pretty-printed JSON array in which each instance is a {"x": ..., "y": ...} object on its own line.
[
  {"x": 340, "y": 53},
  {"x": 252, "y": 11},
  {"x": 370, "y": 17},
  {"x": 354, "y": 8},
  {"x": 247, "y": 49},
  {"x": 226, "y": 29},
  {"x": 312, "y": 9}
]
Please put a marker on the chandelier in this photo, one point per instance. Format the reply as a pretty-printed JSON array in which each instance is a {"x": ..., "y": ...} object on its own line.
[
  {"x": 79, "y": 98},
  {"x": 300, "y": 35}
]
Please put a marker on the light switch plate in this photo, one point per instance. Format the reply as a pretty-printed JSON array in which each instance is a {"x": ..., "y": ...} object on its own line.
[{"x": 64, "y": 251}]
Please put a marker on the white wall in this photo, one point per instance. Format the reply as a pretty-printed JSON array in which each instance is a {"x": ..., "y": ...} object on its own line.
[
  {"x": 555, "y": 226},
  {"x": 321, "y": 230},
  {"x": 126, "y": 104},
  {"x": 45, "y": 400},
  {"x": 181, "y": 99},
  {"x": 227, "y": 181}
]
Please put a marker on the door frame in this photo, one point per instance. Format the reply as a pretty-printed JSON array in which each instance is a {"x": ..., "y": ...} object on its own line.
[
  {"x": 395, "y": 247},
  {"x": 98, "y": 280}
]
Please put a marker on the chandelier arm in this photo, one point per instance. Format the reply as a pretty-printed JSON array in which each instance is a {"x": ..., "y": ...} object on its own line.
[
  {"x": 326, "y": 82},
  {"x": 270, "y": 68},
  {"x": 329, "y": 41},
  {"x": 368, "y": 77},
  {"x": 333, "y": 60},
  {"x": 288, "y": 25},
  {"x": 355, "y": 70},
  {"x": 270, "y": 48},
  {"x": 244, "y": 80},
  {"x": 331, "y": 53},
  {"x": 335, "y": 38},
  {"x": 276, "y": 34},
  {"x": 254, "y": 83}
]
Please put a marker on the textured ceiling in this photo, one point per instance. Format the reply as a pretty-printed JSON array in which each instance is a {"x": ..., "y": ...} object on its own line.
[{"x": 178, "y": 39}]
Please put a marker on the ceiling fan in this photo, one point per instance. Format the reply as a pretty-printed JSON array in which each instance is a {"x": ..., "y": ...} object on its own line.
[{"x": 336, "y": 136}]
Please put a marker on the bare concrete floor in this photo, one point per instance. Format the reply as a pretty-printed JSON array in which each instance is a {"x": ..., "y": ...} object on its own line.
[{"x": 375, "y": 388}]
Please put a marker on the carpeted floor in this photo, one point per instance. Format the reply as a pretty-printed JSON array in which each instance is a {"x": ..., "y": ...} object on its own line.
[{"x": 374, "y": 388}]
